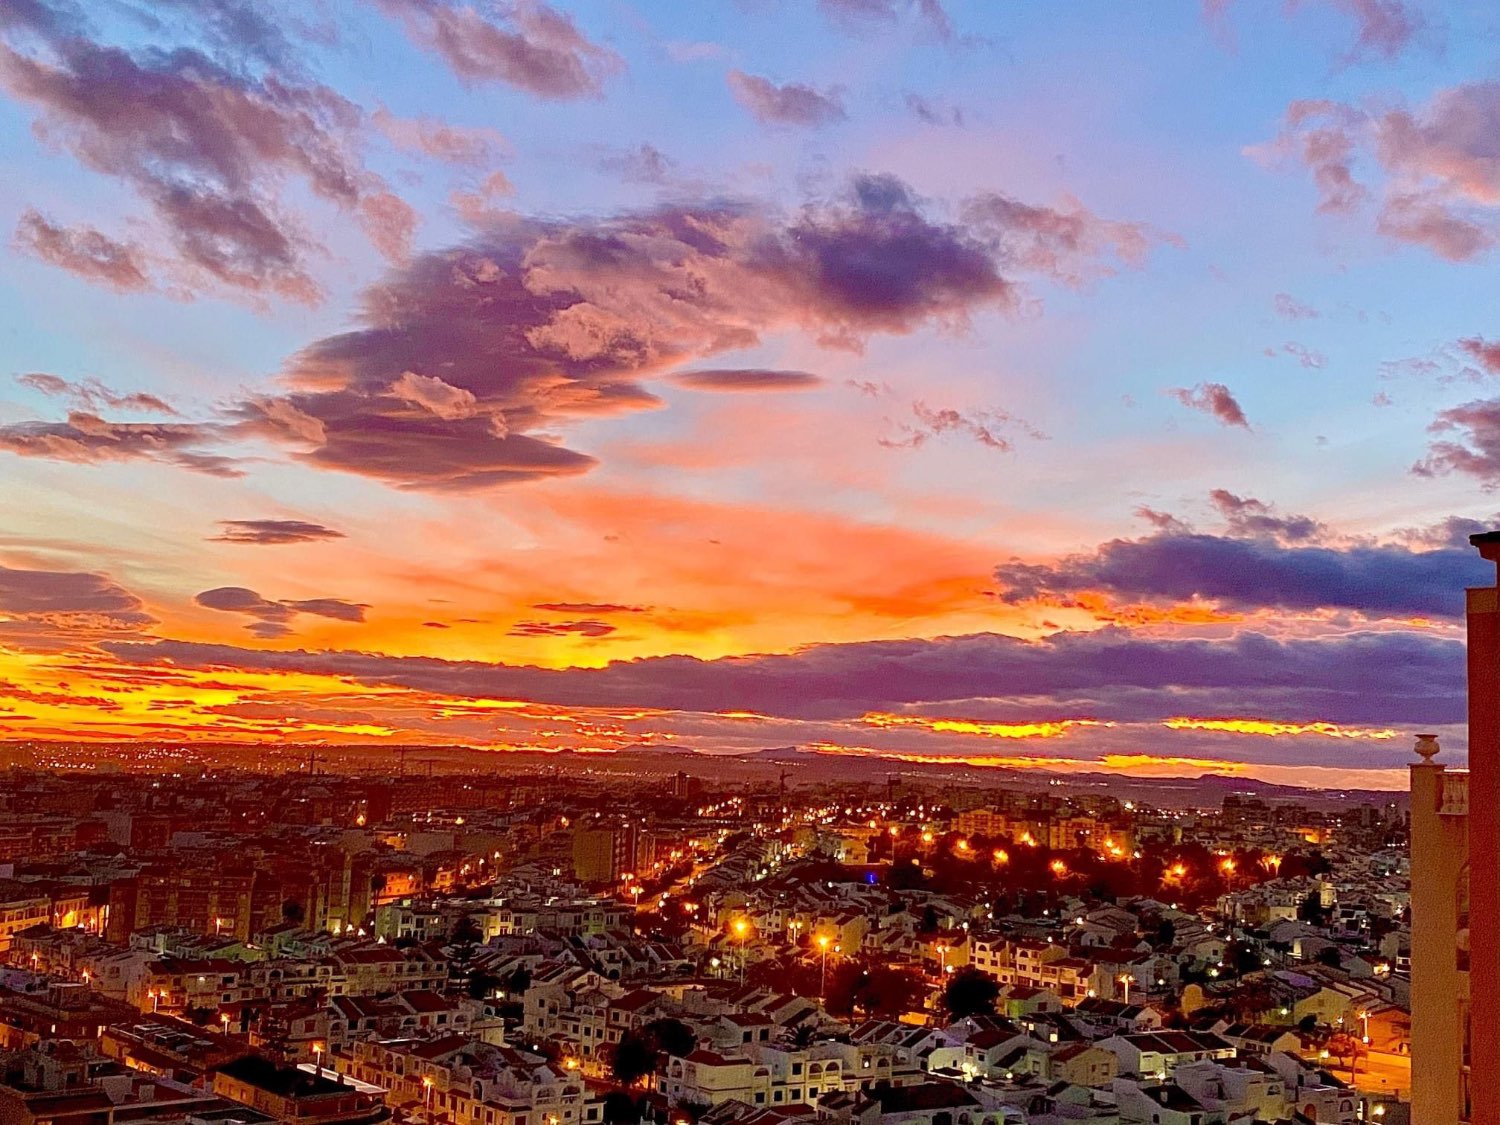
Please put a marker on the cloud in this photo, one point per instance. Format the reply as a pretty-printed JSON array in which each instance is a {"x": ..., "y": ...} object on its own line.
[
  {"x": 49, "y": 592},
  {"x": 1360, "y": 678},
  {"x": 589, "y": 628},
  {"x": 274, "y": 618},
  {"x": 52, "y": 609},
  {"x": 791, "y": 104},
  {"x": 595, "y": 609},
  {"x": 1476, "y": 452},
  {"x": 1248, "y": 516},
  {"x": 987, "y": 427},
  {"x": 94, "y": 395},
  {"x": 931, "y": 112},
  {"x": 87, "y": 439},
  {"x": 263, "y": 532},
  {"x": 644, "y": 164},
  {"x": 1383, "y": 28},
  {"x": 529, "y": 45},
  {"x": 1305, "y": 356},
  {"x": 1451, "y": 532},
  {"x": 1290, "y": 308},
  {"x": 1069, "y": 242},
  {"x": 1439, "y": 178},
  {"x": 1484, "y": 352},
  {"x": 207, "y": 141},
  {"x": 435, "y": 396},
  {"x": 546, "y": 323},
  {"x": 746, "y": 379},
  {"x": 1379, "y": 581},
  {"x": 1213, "y": 399},
  {"x": 91, "y": 254},
  {"x": 462, "y": 145},
  {"x": 860, "y": 14}
]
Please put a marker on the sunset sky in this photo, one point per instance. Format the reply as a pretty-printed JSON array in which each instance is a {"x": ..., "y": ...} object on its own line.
[{"x": 1035, "y": 384}]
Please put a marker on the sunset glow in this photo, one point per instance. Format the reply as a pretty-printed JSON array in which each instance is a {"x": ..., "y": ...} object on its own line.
[{"x": 898, "y": 380}]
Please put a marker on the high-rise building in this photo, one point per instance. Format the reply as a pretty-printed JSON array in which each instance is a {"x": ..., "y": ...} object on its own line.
[
  {"x": 602, "y": 854},
  {"x": 1455, "y": 878},
  {"x": 1439, "y": 982}
]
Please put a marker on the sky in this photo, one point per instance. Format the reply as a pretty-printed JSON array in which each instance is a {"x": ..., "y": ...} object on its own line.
[{"x": 1074, "y": 386}]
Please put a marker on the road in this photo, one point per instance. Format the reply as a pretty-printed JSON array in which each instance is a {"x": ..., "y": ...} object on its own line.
[{"x": 1385, "y": 1073}]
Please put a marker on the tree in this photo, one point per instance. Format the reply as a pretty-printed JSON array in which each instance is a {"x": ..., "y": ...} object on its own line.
[
  {"x": 873, "y": 990},
  {"x": 482, "y": 985},
  {"x": 621, "y": 1109},
  {"x": 1311, "y": 910},
  {"x": 634, "y": 1057},
  {"x": 672, "y": 1036},
  {"x": 466, "y": 931},
  {"x": 517, "y": 981},
  {"x": 970, "y": 992}
]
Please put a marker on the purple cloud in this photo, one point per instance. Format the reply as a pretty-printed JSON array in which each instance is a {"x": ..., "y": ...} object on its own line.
[
  {"x": 538, "y": 324},
  {"x": 268, "y": 532},
  {"x": 1376, "y": 677},
  {"x": 1248, "y": 516},
  {"x": 274, "y": 618},
  {"x": 1257, "y": 573},
  {"x": 206, "y": 143},
  {"x": 746, "y": 379}
]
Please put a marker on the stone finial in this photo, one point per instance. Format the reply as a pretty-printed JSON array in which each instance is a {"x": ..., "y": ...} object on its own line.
[{"x": 1427, "y": 746}]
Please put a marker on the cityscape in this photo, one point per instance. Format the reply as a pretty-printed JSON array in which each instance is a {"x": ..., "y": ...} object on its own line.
[{"x": 749, "y": 562}]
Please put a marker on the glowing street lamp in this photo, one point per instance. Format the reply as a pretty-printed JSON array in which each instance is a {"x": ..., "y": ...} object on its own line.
[
  {"x": 823, "y": 977},
  {"x": 1127, "y": 980},
  {"x": 426, "y": 1090},
  {"x": 317, "y": 1049},
  {"x": 224, "y": 1022},
  {"x": 741, "y": 928},
  {"x": 155, "y": 999}
]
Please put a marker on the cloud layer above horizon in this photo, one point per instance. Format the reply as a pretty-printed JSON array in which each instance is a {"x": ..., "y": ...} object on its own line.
[{"x": 527, "y": 376}]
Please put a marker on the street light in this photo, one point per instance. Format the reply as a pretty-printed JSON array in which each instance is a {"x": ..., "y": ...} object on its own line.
[
  {"x": 1127, "y": 980},
  {"x": 318, "y": 1058},
  {"x": 426, "y": 1090},
  {"x": 823, "y": 978},
  {"x": 741, "y": 928}
]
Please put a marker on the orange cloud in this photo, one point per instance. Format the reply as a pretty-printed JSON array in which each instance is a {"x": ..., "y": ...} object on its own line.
[{"x": 1273, "y": 729}]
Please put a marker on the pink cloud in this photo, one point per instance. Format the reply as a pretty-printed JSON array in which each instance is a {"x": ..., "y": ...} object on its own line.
[
  {"x": 791, "y": 104},
  {"x": 530, "y": 46},
  {"x": 1440, "y": 175},
  {"x": 1213, "y": 399},
  {"x": 84, "y": 251}
]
